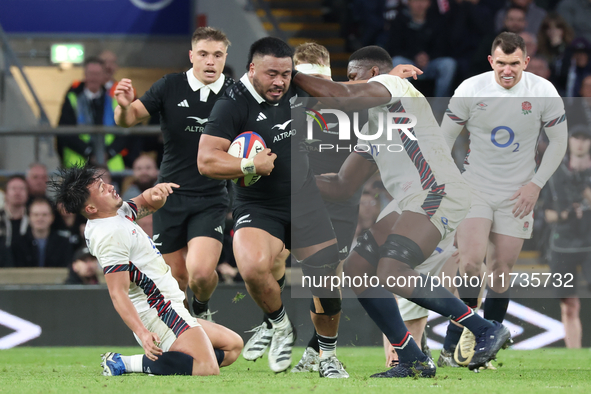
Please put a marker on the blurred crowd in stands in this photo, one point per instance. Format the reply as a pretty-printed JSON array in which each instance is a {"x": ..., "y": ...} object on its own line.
[{"x": 450, "y": 39}]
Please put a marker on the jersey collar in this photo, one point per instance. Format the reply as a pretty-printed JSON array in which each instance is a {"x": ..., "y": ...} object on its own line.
[
  {"x": 252, "y": 90},
  {"x": 196, "y": 84}
]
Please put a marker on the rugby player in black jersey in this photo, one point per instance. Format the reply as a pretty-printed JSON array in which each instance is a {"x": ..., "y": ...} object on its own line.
[
  {"x": 188, "y": 231},
  {"x": 314, "y": 59},
  {"x": 280, "y": 210}
]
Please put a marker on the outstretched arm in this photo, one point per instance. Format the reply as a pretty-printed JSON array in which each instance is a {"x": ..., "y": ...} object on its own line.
[
  {"x": 353, "y": 96},
  {"x": 153, "y": 199},
  {"x": 354, "y": 172},
  {"x": 341, "y": 95}
]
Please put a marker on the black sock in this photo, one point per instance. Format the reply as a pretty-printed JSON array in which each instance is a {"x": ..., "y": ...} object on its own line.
[
  {"x": 313, "y": 342},
  {"x": 382, "y": 308},
  {"x": 440, "y": 300},
  {"x": 219, "y": 355},
  {"x": 266, "y": 320},
  {"x": 199, "y": 306},
  {"x": 495, "y": 306},
  {"x": 452, "y": 337},
  {"x": 281, "y": 282},
  {"x": 277, "y": 316},
  {"x": 169, "y": 363}
]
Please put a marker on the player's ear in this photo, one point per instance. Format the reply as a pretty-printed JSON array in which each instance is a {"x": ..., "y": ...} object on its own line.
[
  {"x": 90, "y": 209},
  {"x": 190, "y": 55},
  {"x": 251, "y": 70},
  {"x": 375, "y": 71},
  {"x": 490, "y": 60}
]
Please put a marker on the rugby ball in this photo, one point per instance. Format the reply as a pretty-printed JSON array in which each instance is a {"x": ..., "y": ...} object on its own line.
[{"x": 246, "y": 146}]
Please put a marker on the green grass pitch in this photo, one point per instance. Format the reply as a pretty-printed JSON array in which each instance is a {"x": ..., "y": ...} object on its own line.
[{"x": 76, "y": 370}]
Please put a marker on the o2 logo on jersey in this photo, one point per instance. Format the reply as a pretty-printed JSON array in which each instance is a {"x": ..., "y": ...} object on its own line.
[
  {"x": 493, "y": 138},
  {"x": 154, "y": 246}
]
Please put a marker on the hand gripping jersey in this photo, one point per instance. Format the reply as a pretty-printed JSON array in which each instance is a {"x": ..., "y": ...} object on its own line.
[{"x": 504, "y": 125}]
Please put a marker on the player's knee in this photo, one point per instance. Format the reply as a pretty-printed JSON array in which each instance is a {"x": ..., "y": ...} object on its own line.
[
  {"x": 206, "y": 369},
  {"x": 256, "y": 262},
  {"x": 183, "y": 280},
  {"x": 471, "y": 266},
  {"x": 367, "y": 248},
  {"x": 253, "y": 272},
  {"x": 571, "y": 307},
  {"x": 200, "y": 274},
  {"x": 234, "y": 349},
  {"x": 236, "y": 342},
  {"x": 501, "y": 268},
  {"x": 403, "y": 249},
  {"x": 325, "y": 306},
  {"x": 354, "y": 266},
  {"x": 256, "y": 275},
  {"x": 319, "y": 268}
]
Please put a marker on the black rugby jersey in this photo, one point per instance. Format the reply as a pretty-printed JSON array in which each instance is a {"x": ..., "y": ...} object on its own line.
[
  {"x": 242, "y": 109},
  {"x": 183, "y": 117},
  {"x": 329, "y": 157},
  {"x": 327, "y": 153}
]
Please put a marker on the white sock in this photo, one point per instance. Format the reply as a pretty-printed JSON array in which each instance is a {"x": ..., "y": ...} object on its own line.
[
  {"x": 327, "y": 345},
  {"x": 133, "y": 363},
  {"x": 282, "y": 324}
]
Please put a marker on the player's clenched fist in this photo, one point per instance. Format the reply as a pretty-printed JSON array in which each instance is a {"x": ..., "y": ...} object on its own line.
[
  {"x": 124, "y": 93},
  {"x": 160, "y": 191},
  {"x": 264, "y": 162}
]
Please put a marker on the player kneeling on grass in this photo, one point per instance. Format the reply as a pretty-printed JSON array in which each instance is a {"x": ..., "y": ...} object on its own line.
[{"x": 142, "y": 288}]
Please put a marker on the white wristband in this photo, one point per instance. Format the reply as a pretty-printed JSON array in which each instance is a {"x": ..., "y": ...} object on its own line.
[{"x": 247, "y": 166}]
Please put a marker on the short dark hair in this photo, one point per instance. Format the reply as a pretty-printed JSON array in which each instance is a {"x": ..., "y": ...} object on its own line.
[
  {"x": 210, "y": 33},
  {"x": 41, "y": 200},
  {"x": 13, "y": 177},
  {"x": 509, "y": 43},
  {"x": 513, "y": 7},
  {"x": 71, "y": 187},
  {"x": 373, "y": 55},
  {"x": 93, "y": 60},
  {"x": 269, "y": 46}
]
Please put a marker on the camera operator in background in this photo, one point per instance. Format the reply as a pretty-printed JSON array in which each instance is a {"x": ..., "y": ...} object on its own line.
[{"x": 567, "y": 209}]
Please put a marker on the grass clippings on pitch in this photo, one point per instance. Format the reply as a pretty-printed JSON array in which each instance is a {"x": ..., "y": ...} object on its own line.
[{"x": 76, "y": 370}]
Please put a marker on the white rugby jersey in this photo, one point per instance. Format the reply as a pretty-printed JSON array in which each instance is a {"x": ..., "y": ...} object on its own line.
[
  {"x": 416, "y": 165},
  {"x": 120, "y": 244},
  {"x": 504, "y": 126}
]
